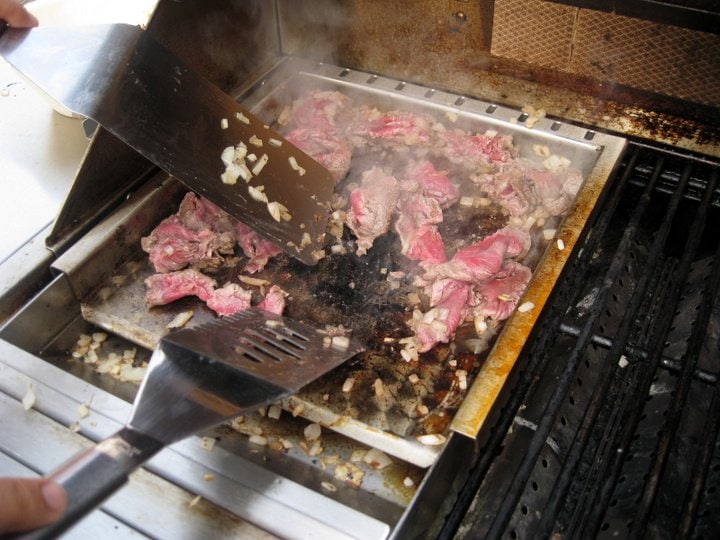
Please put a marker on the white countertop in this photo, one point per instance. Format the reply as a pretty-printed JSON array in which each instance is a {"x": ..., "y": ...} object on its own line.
[{"x": 40, "y": 149}]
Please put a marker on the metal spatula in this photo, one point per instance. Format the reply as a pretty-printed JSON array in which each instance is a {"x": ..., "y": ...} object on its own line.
[
  {"x": 198, "y": 378},
  {"x": 137, "y": 90}
]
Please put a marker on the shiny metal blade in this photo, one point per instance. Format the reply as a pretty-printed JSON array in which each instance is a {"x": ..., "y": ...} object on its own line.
[
  {"x": 137, "y": 90},
  {"x": 201, "y": 376}
]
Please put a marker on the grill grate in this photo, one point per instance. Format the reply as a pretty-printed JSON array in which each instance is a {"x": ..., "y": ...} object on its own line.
[{"x": 611, "y": 429}]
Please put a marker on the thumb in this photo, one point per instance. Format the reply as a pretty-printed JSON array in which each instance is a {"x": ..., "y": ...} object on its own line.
[
  {"x": 28, "y": 503},
  {"x": 16, "y": 15}
]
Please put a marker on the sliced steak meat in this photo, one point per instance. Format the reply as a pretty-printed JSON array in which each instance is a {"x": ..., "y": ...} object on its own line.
[
  {"x": 432, "y": 183},
  {"x": 483, "y": 259},
  {"x": 326, "y": 146},
  {"x": 315, "y": 110},
  {"x": 229, "y": 299},
  {"x": 477, "y": 152},
  {"x": 509, "y": 188},
  {"x": 274, "y": 300},
  {"x": 163, "y": 289},
  {"x": 372, "y": 206},
  {"x": 255, "y": 247},
  {"x": 448, "y": 298},
  {"x": 556, "y": 189},
  {"x": 198, "y": 213},
  {"x": 497, "y": 297},
  {"x": 173, "y": 246},
  {"x": 397, "y": 128}
]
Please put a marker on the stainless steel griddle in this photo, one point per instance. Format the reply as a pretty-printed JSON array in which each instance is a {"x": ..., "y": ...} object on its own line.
[{"x": 114, "y": 298}]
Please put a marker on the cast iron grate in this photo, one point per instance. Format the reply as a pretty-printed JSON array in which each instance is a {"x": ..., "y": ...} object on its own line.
[{"x": 612, "y": 427}]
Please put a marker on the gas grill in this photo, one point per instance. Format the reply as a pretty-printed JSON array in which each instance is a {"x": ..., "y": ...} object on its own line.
[{"x": 594, "y": 414}]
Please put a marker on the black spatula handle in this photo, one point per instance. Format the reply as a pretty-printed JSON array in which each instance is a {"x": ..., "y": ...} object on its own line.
[{"x": 96, "y": 473}]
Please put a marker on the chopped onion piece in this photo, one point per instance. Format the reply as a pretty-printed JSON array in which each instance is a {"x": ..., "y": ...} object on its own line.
[
  {"x": 274, "y": 411},
  {"x": 526, "y": 306},
  {"x": 28, "y": 399},
  {"x": 257, "y": 282},
  {"x": 408, "y": 482},
  {"x": 295, "y": 166},
  {"x": 348, "y": 384},
  {"x": 328, "y": 486},
  {"x": 377, "y": 459},
  {"x": 560, "y": 244},
  {"x": 83, "y": 410},
  {"x": 312, "y": 432},
  {"x": 623, "y": 362},
  {"x": 258, "y": 193},
  {"x": 195, "y": 501},
  {"x": 240, "y": 116},
  {"x": 255, "y": 141},
  {"x": 207, "y": 443},
  {"x": 278, "y": 211},
  {"x": 260, "y": 165},
  {"x": 433, "y": 439},
  {"x": 274, "y": 142},
  {"x": 548, "y": 234},
  {"x": 180, "y": 320},
  {"x": 208, "y": 477},
  {"x": 258, "y": 439},
  {"x": 340, "y": 342},
  {"x": 223, "y": 123}
]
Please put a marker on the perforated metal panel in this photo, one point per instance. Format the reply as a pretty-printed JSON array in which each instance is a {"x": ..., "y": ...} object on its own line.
[{"x": 610, "y": 48}]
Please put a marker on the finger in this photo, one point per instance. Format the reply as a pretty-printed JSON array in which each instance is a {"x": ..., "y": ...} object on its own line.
[
  {"x": 27, "y": 503},
  {"x": 16, "y": 14}
]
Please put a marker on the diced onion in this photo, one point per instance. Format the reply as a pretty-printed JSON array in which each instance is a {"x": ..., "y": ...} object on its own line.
[
  {"x": 526, "y": 306},
  {"x": 223, "y": 123},
  {"x": 255, "y": 141},
  {"x": 260, "y": 165},
  {"x": 312, "y": 432},
  {"x": 433, "y": 439},
  {"x": 28, "y": 399},
  {"x": 240, "y": 116}
]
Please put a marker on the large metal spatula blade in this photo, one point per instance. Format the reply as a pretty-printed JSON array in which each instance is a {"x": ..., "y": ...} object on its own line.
[
  {"x": 137, "y": 90},
  {"x": 198, "y": 378}
]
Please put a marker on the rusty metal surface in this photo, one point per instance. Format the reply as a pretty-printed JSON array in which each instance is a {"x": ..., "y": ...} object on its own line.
[{"x": 357, "y": 292}]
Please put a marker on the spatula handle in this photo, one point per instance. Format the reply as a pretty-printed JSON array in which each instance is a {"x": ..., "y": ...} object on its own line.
[{"x": 94, "y": 474}]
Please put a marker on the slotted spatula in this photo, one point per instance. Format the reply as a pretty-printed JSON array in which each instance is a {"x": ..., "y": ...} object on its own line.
[
  {"x": 198, "y": 378},
  {"x": 119, "y": 76}
]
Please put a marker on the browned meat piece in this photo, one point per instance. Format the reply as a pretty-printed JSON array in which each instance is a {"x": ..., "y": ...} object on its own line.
[{"x": 165, "y": 288}]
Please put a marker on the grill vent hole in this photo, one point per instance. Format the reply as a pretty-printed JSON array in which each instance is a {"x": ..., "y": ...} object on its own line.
[
  {"x": 589, "y": 135},
  {"x": 430, "y": 93},
  {"x": 491, "y": 109},
  {"x": 459, "y": 101},
  {"x": 523, "y": 117},
  {"x": 344, "y": 73},
  {"x": 372, "y": 79},
  {"x": 555, "y": 126},
  {"x": 400, "y": 86}
]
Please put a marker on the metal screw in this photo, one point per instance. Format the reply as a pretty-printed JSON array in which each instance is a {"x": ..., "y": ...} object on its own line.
[{"x": 460, "y": 16}]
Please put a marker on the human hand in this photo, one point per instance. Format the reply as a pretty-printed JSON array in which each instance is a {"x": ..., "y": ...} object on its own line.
[
  {"x": 15, "y": 14},
  {"x": 29, "y": 503}
]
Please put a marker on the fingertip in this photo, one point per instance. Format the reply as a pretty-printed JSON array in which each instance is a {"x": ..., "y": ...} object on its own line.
[{"x": 54, "y": 496}]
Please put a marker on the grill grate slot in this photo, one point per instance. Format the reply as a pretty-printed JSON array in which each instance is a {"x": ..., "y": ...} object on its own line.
[{"x": 613, "y": 420}]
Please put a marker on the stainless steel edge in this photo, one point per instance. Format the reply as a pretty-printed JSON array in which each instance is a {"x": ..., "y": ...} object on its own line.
[{"x": 266, "y": 500}]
